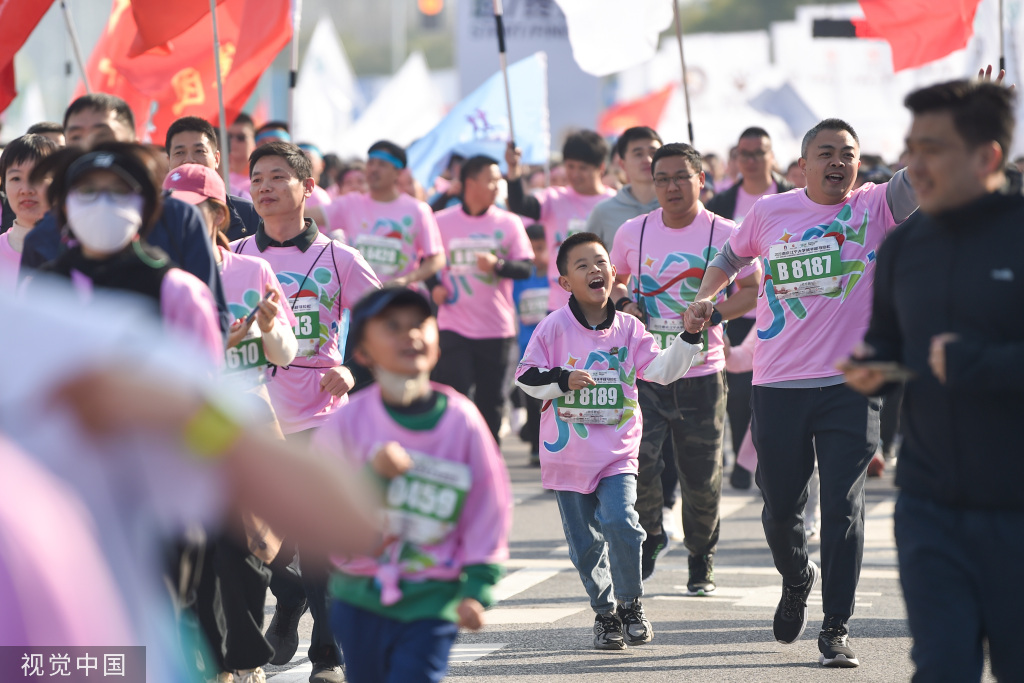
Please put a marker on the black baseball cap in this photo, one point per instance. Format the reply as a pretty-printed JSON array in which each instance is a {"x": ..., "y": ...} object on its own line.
[{"x": 377, "y": 301}]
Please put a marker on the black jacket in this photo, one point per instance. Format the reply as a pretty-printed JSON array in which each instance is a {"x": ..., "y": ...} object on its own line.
[
  {"x": 724, "y": 204},
  {"x": 961, "y": 272},
  {"x": 244, "y": 219}
]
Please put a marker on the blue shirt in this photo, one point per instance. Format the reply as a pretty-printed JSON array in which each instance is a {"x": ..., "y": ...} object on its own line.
[{"x": 535, "y": 281}]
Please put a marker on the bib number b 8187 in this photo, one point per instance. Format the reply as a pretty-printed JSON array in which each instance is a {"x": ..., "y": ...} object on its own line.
[{"x": 805, "y": 268}]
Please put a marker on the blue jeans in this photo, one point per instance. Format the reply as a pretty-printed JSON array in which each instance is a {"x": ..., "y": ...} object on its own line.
[
  {"x": 604, "y": 535},
  {"x": 381, "y": 650},
  {"x": 960, "y": 571}
]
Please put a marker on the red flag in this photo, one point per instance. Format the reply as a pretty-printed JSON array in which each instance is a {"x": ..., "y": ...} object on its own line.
[
  {"x": 644, "y": 111},
  {"x": 919, "y": 31},
  {"x": 17, "y": 19},
  {"x": 160, "y": 21}
]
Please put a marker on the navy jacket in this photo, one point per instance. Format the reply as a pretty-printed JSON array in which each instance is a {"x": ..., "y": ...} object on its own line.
[{"x": 244, "y": 219}]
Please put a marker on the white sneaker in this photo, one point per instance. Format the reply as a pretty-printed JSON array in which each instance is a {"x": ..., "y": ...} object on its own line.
[
  {"x": 256, "y": 675},
  {"x": 670, "y": 523},
  {"x": 516, "y": 420}
]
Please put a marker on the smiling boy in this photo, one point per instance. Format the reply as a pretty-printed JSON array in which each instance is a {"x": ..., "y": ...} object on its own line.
[{"x": 583, "y": 362}]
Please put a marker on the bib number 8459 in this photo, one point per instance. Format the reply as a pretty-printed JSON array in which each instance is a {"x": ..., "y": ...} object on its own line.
[{"x": 424, "y": 498}]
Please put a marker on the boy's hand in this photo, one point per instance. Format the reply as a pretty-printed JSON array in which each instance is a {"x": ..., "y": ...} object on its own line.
[
  {"x": 391, "y": 461},
  {"x": 485, "y": 261},
  {"x": 578, "y": 379},
  {"x": 439, "y": 294},
  {"x": 697, "y": 315},
  {"x": 471, "y": 614}
]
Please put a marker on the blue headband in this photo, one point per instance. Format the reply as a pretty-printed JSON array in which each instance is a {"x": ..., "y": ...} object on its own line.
[
  {"x": 274, "y": 133},
  {"x": 307, "y": 147},
  {"x": 388, "y": 157}
]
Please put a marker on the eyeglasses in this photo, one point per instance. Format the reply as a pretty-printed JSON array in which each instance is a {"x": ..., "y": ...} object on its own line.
[
  {"x": 756, "y": 155},
  {"x": 663, "y": 181}
]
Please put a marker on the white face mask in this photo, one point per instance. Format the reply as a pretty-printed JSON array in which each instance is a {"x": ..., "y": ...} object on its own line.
[
  {"x": 403, "y": 389},
  {"x": 103, "y": 222}
]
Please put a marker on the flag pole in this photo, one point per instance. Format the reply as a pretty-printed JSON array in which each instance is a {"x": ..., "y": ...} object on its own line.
[
  {"x": 499, "y": 21},
  {"x": 74, "y": 44},
  {"x": 224, "y": 142},
  {"x": 293, "y": 73},
  {"x": 1002, "y": 39},
  {"x": 682, "y": 61}
]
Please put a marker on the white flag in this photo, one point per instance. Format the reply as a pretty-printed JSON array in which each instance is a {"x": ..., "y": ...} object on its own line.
[
  {"x": 608, "y": 36},
  {"x": 406, "y": 108},
  {"x": 326, "y": 95}
]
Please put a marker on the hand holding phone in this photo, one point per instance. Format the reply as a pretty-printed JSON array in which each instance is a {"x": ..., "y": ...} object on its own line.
[{"x": 252, "y": 314}]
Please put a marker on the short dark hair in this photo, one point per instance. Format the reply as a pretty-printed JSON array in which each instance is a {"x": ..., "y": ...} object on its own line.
[
  {"x": 273, "y": 125},
  {"x": 29, "y": 147},
  {"x": 391, "y": 148},
  {"x": 678, "y": 149},
  {"x": 290, "y": 152},
  {"x": 562, "y": 260},
  {"x": 245, "y": 120},
  {"x": 45, "y": 127},
  {"x": 755, "y": 132},
  {"x": 191, "y": 124},
  {"x": 586, "y": 146},
  {"x": 474, "y": 165},
  {"x": 631, "y": 135},
  {"x": 982, "y": 112},
  {"x": 348, "y": 167},
  {"x": 100, "y": 101},
  {"x": 535, "y": 231},
  {"x": 827, "y": 124}
]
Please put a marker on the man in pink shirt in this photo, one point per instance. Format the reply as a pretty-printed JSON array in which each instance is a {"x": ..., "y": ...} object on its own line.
[
  {"x": 662, "y": 257},
  {"x": 757, "y": 164},
  {"x": 394, "y": 232},
  {"x": 321, "y": 278},
  {"x": 818, "y": 249},
  {"x": 487, "y": 248},
  {"x": 562, "y": 211}
]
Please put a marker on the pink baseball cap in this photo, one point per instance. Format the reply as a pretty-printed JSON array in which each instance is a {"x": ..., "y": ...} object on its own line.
[{"x": 195, "y": 183}]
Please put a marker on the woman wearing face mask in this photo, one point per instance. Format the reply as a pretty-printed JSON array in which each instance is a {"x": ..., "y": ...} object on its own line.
[{"x": 109, "y": 199}]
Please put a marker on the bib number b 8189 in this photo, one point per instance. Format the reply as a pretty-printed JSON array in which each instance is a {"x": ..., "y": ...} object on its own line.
[{"x": 600, "y": 404}]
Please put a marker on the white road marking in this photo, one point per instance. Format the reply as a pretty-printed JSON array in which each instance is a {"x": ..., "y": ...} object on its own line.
[{"x": 470, "y": 652}]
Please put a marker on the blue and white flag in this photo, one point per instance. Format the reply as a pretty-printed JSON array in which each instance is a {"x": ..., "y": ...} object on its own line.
[{"x": 479, "y": 123}]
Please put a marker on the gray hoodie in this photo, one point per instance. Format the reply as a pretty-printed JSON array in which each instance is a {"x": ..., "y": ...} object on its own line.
[{"x": 608, "y": 216}]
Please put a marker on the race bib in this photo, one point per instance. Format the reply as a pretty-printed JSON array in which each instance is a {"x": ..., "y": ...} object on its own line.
[
  {"x": 307, "y": 325},
  {"x": 601, "y": 404},
  {"x": 462, "y": 253},
  {"x": 533, "y": 305},
  {"x": 805, "y": 268},
  {"x": 665, "y": 330},
  {"x": 424, "y": 503},
  {"x": 248, "y": 355},
  {"x": 382, "y": 253}
]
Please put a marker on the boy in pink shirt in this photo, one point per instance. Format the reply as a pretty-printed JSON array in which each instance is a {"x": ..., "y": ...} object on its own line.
[
  {"x": 562, "y": 211},
  {"x": 583, "y": 362},
  {"x": 487, "y": 249},
  {"x": 818, "y": 247},
  {"x": 446, "y": 498}
]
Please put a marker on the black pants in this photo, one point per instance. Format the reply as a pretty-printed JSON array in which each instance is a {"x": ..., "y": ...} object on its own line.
[
  {"x": 738, "y": 406},
  {"x": 477, "y": 365},
  {"x": 532, "y": 429},
  {"x": 230, "y": 599},
  {"x": 788, "y": 427}
]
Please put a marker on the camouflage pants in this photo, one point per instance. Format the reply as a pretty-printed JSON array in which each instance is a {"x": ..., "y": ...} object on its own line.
[{"x": 692, "y": 412}]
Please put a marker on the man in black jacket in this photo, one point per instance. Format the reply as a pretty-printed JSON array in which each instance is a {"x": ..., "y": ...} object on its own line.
[
  {"x": 757, "y": 163},
  {"x": 944, "y": 283}
]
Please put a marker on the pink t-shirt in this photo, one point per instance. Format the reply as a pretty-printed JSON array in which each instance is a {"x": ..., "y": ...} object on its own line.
[
  {"x": 239, "y": 186},
  {"x": 245, "y": 280},
  {"x": 480, "y": 533},
  {"x": 802, "y": 338},
  {"x": 479, "y": 304},
  {"x": 575, "y": 457},
  {"x": 391, "y": 236},
  {"x": 187, "y": 306},
  {"x": 318, "y": 285},
  {"x": 563, "y": 212},
  {"x": 745, "y": 201},
  {"x": 673, "y": 264},
  {"x": 10, "y": 263},
  {"x": 319, "y": 197}
]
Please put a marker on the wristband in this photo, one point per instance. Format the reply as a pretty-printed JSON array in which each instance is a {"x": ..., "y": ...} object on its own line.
[
  {"x": 210, "y": 432},
  {"x": 499, "y": 265},
  {"x": 622, "y": 303}
]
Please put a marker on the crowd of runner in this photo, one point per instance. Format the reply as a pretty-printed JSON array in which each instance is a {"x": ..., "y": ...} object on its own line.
[{"x": 319, "y": 339}]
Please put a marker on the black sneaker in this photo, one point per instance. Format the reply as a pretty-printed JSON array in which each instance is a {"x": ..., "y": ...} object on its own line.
[
  {"x": 635, "y": 627},
  {"x": 702, "y": 575},
  {"x": 791, "y": 614},
  {"x": 834, "y": 644},
  {"x": 653, "y": 546},
  {"x": 608, "y": 632},
  {"x": 283, "y": 633},
  {"x": 741, "y": 478}
]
